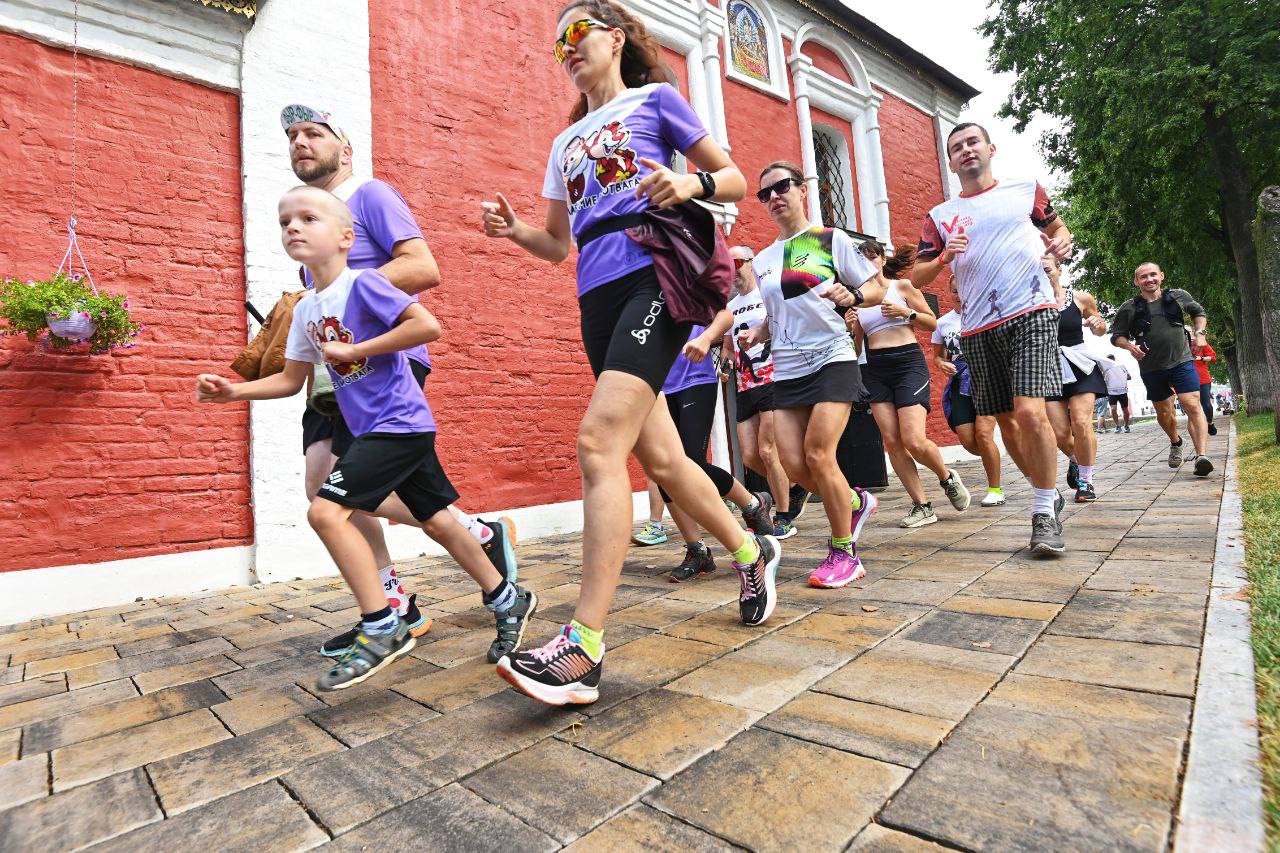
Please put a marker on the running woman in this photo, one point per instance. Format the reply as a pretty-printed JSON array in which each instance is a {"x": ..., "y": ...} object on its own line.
[
  {"x": 807, "y": 278},
  {"x": 977, "y": 433},
  {"x": 1151, "y": 327},
  {"x": 1203, "y": 355},
  {"x": 387, "y": 238},
  {"x": 1071, "y": 412},
  {"x": 996, "y": 232},
  {"x": 611, "y": 162},
  {"x": 897, "y": 382},
  {"x": 754, "y": 381},
  {"x": 691, "y": 389}
]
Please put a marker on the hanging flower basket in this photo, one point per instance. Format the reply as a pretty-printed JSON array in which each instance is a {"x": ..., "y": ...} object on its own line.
[{"x": 66, "y": 311}]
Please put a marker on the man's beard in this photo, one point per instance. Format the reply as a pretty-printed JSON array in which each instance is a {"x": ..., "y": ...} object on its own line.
[{"x": 317, "y": 169}]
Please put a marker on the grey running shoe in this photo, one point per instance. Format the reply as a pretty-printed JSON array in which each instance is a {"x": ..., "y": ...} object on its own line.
[
  {"x": 1046, "y": 535},
  {"x": 1073, "y": 474},
  {"x": 1204, "y": 466},
  {"x": 697, "y": 561},
  {"x": 920, "y": 515},
  {"x": 760, "y": 519},
  {"x": 511, "y": 624},
  {"x": 501, "y": 548},
  {"x": 369, "y": 653},
  {"x": 1175, "y": 454},
  {"x": 956, "y": 491}
]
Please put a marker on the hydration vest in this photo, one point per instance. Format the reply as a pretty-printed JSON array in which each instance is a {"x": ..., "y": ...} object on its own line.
[{"x": 1142, "y": 314}]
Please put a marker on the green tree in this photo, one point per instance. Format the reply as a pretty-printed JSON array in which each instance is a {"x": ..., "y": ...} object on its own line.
[{"x": 1168, "y": 133}]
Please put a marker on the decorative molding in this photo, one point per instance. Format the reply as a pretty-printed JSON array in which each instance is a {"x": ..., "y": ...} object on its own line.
[{"x": 182, "y": 40}]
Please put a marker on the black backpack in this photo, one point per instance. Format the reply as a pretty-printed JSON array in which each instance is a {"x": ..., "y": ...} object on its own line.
[{"x": 1142, "y": 315}]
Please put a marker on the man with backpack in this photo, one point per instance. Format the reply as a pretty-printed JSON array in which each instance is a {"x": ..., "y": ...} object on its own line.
[{"x": 1151, "y": 327}]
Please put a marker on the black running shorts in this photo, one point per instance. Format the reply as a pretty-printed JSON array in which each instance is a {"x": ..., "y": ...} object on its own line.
[
  {"x": 626, "y": 327},
  {"x": 318, "y": 427},
  {"x": 897, "y": 375},
  {"x": 379, "y": 463}
]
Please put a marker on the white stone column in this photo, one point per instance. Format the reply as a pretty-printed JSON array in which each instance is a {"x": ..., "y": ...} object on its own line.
[
  {"x": 800, "y": 66},
  {"x": 335, "y": 34},
  {"x": 711, "y": 22},
  {"x": 868, "y": 221},
  {"x": 879, "y": 186}
]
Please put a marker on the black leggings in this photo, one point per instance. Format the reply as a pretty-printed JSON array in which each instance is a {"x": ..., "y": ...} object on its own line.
[
  {"x": 1206, "y": 400},
  {"x": 694, "y": 411}
]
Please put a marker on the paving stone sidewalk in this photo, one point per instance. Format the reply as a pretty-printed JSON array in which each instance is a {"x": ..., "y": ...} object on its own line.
[{"x": 963, "y": 695}]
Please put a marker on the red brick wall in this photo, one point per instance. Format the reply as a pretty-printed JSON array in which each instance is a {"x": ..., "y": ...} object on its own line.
[
  {"x": 826, "y": 60},
  {"x": 106, "y": 457},
  {"x": 915, "y": 186}
]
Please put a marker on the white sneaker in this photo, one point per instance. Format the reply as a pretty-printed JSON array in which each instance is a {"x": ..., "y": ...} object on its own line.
[
  {"x": 993, "y": 498},
  {"x": 920, "y": 515}
]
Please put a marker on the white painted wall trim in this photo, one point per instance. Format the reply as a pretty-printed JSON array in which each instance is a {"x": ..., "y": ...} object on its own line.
[
  {"x": 32, "y": 593},
  {"x": 173, "y": 37},
  {"x": 334, "y": 75}
]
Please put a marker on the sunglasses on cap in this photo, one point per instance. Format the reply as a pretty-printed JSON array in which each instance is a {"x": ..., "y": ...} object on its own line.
[
  {"x": 575, "y": 33},
  {"x": 780, "y": 187}
]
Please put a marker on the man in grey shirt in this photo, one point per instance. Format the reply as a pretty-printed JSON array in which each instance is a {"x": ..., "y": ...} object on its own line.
[{"x": 1151, "y": 327}]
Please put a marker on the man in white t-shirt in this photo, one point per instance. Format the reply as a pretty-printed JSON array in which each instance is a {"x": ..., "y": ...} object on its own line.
[
  {"x": 1118, "y": 392},
  {"x": 993, "y": 235}
]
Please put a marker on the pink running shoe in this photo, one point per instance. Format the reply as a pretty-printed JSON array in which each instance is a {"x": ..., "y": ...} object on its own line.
[
  {"x": 839, "y": 569},
  {"x": 866, "y": 508}
]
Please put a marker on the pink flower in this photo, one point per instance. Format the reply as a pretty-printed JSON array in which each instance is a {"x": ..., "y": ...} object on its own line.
[{"x": 54, "y": 315}]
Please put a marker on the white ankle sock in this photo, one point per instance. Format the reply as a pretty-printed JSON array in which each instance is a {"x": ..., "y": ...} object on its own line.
[{"x": 1042, "y": 500}]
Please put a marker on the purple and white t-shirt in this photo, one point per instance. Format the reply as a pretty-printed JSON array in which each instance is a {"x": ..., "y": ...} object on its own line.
[
  {"x": 595, "y": 168},
  {"x": 685, "y": 374},
  {"x": 382, "y": 219},
  {"x": 376, "y": 394}
]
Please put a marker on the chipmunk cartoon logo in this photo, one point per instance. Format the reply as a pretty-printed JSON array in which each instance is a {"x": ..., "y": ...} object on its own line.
[
  {"x": 328, "y": 330},
  {"x": 606, "y": 148}
]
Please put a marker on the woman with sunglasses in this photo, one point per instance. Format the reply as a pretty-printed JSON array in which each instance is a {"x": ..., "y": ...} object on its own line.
[
  {"x": 808, "y": 277},
  {"x": 898, "y": 385},
  {"x": 608, "y": 164}
]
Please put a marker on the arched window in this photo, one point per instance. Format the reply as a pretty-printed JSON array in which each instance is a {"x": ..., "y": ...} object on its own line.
[
  {"x": 753, "y": 51},
  {"x": 835, "y": 178}
]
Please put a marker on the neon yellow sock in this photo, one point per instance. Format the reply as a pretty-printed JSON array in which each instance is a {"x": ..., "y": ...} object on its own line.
[
  {"x": 844, "y": 543},
  {"x": 592, "y": 641},
  {"x": 855, "y": 500},
  {"x": 748, "y": 553}
]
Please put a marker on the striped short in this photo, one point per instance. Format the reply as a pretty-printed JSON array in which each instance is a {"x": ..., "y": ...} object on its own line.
[{"x": 1018, "y": 358}]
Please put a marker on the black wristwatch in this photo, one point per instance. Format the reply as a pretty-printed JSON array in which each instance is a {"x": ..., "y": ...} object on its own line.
[
  {"x": 708, "y": 184},
  {"x": 911, "y": 318}
]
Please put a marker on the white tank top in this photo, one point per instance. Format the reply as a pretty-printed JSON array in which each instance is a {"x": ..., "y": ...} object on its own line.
[{"x": 872, "y": 320}]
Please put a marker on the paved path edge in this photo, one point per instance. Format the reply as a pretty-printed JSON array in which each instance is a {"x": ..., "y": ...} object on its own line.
[{"x": 1221, "y": 804}]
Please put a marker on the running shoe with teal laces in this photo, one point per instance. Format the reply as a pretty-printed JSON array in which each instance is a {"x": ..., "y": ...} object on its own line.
[
  {"x": 783, "y": 528},
  {"x": 650, "y": 533},
  {"x": 559, "y": 673},
  {"x": 511, "y": 624},
  {"x": 1085, "y": 494},
  {"x": 500, "y": 549},
  {"x": 367, "y": 656},
  {"x": 418, "y": 624}
]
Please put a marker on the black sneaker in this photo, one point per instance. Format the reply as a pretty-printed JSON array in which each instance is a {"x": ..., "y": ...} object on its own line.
[
  {"x": 697, "y": 561},
  {"x": 501, "y": 548},
  {"x": 1213, "y": 430},
  {"x": 759, "y": 583},
  {"x": 1046, "y": 535},
  {"x": 369, "y": 654},
  {"x": 1085, "y": 494},
  {"x": 511, "y": 624},
  {"x": 760, "y": 519},
  {"x": 559, "y": 673},
  {"x": 1073, "y": 474},
  {"x": 418, "y": 624},
  {"x": 1204, "y": 466},
  {"x": 797, "y": 500}
]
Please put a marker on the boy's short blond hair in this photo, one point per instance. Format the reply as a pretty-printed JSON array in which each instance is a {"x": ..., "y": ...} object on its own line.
[{"x": 327, "y": 201}]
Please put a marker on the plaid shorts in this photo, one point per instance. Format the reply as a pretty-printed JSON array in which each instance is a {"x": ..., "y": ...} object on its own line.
[{"x": 1018, "y": 358}]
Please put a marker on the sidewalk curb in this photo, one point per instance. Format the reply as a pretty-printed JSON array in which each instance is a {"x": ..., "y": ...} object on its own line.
[{"x": 1221, "y": 806}]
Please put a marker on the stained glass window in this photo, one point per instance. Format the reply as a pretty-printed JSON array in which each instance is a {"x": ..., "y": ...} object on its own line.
[{"x": 749, "y": 41}]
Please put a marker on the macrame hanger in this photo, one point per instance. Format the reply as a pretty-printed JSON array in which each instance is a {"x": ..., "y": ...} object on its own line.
[{"x": 73, "y": 245}]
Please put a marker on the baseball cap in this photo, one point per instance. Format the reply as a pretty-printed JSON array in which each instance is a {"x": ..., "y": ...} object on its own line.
[{"x": 295, "y": 113}]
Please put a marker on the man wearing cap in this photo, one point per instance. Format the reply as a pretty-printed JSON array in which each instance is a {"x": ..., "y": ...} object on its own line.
[{"x": 387, "y": 238}]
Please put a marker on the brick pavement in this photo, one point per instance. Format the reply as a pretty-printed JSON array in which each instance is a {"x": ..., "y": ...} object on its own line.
[{"x": 963, "y": 695}]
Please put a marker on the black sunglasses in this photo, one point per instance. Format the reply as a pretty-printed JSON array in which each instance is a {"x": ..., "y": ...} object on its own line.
[{"x": 780, "y": 187}]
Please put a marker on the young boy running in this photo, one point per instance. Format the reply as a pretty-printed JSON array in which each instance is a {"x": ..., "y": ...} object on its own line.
[{"x": 359, "y": 325}]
